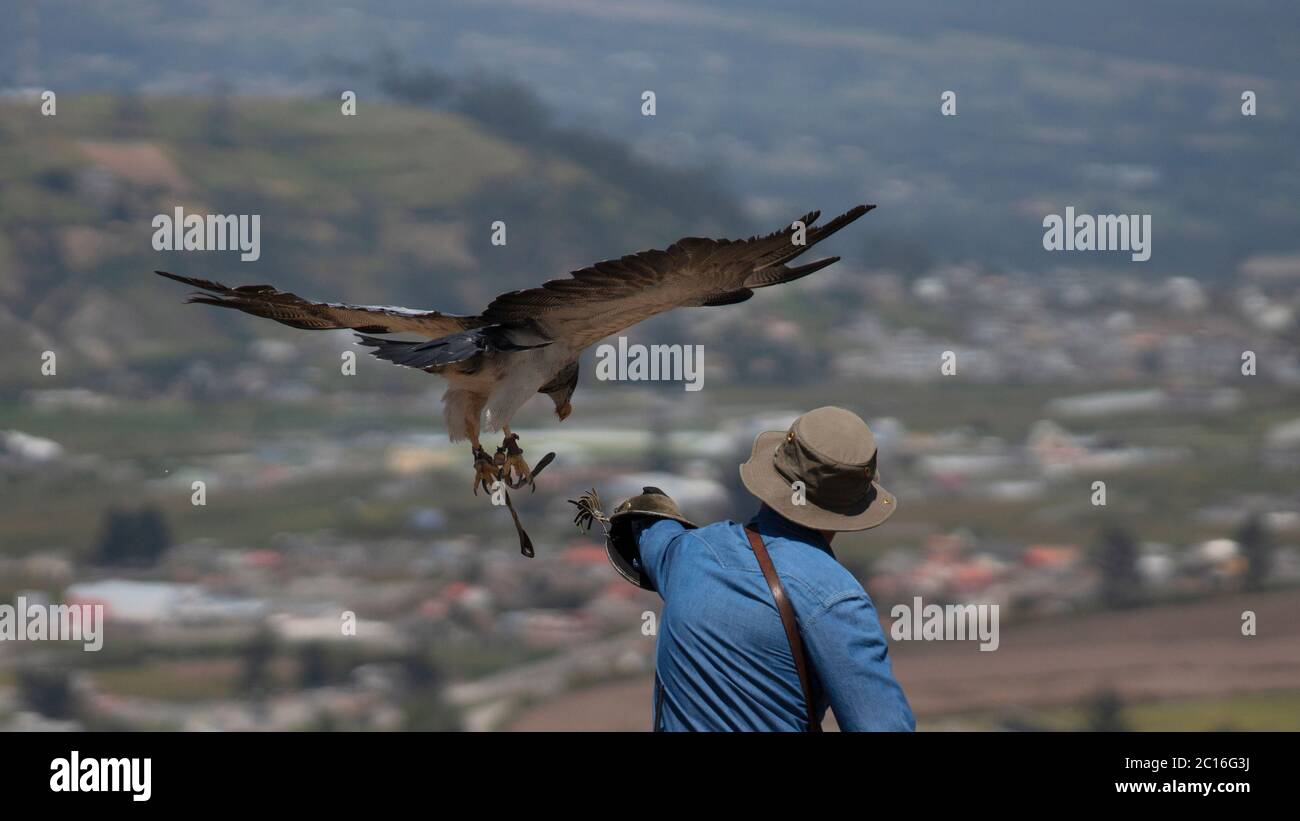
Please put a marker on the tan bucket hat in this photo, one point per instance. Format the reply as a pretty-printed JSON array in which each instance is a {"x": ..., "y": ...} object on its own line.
[{"x": 833, "y": 452}]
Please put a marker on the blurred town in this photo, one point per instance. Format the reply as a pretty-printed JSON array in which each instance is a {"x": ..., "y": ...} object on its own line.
[{"x": 321, "y": 500}]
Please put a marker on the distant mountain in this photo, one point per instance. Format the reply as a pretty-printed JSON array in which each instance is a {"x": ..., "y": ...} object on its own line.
[{"x": 1110, "y": 106}]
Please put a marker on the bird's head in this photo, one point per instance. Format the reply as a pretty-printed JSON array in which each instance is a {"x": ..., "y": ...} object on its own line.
[{"x": 564, "y": 410}]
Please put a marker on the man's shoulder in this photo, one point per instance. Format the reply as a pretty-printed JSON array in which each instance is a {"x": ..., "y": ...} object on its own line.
[
  {"x": 722, "y": 530},
  {"x": 719, "y": 539},
  {"x": 823, "y": 579},
  {"x": 808, "y": 570}
]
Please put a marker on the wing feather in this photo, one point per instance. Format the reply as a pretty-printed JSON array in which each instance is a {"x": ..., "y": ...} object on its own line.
[
  {"x": 612, "y": 295},
  {"x": 297, "y": 312},
  {"x": 590, "y": 304}
]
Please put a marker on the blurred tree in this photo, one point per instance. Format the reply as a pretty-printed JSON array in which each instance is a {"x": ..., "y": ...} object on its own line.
[
  {"x": 1150, "y": 363},
  {"x": 57, "y": 180},
  {"x": 1116, "y": 559},
  {"x": 1106, "y": 713},
  {"x": 257, "y": 657},
  {"x": 419, "y": 86},
  {"x": 658, "y": 455},
  {"x": 430, "y": 714},
  {"x": 739, "y": 499},
  {"x": 315, "y": 668},
  {"x": 219, "y": 117},
  {"x": 130, "y": 115},
  {"x": 420, "y": 670},
  {"x": 509, "y": 108},
  {"x": 425, "y": 707},
  {"x": 325, "y": 722},
  {"x": 131, "y": 538},
  {"x": 1257, "y": 547},
  {"x": 47, "y": 692},
  {"x": 1019, "y": 719}
]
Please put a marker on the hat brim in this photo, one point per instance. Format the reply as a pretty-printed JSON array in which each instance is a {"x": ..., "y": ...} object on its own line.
[{"x": 761, "y": 479}]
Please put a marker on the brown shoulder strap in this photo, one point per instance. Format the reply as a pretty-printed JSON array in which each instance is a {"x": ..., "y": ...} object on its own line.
[{"x": 791, "y": 626}]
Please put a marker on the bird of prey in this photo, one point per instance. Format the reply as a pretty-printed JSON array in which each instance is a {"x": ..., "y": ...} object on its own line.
[{"x": 528, "y": 342}]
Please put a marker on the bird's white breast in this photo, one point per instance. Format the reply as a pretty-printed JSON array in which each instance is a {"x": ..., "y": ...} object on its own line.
[{"x": 519, "y": 376}]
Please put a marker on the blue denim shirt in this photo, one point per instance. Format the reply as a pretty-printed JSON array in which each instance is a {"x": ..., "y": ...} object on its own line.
[{"x": 722, "y": 658}]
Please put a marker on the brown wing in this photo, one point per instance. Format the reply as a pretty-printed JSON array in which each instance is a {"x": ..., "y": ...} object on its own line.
[
  {"x": 609, "y": 296},
  {"x": 296, "y": 312}
]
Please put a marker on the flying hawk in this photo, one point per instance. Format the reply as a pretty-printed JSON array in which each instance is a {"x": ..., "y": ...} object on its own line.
[{"x": 528, "y": 342}]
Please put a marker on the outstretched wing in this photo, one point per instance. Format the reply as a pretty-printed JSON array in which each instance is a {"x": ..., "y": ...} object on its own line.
[
  {"x": 609, "y": 296},
  {"x": 296, "y": 312}
]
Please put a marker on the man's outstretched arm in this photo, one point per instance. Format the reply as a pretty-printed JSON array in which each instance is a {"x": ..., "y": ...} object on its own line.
[
  {"x": 848, "y": 651},
  {"x": 658, "y": 540}
]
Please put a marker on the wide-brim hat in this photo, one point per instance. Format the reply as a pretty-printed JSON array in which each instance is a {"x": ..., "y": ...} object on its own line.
[{"x": 833, "y": 453}]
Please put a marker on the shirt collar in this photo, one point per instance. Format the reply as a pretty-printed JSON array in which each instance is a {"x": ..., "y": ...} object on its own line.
[{"x": 771, "y": 523}]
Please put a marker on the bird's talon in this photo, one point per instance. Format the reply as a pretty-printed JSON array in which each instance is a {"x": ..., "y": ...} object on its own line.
[
  {"x": 517, "y": 472},
  {"x": 485, "y": 471},
  {"x": 514, "y": 470},
  {"x": 511, "y": 445}
]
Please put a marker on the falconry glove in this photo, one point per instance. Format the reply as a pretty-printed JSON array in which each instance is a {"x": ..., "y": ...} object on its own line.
[{"x": 624, "y": 527}]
